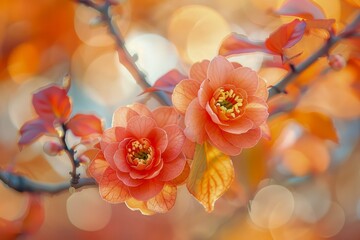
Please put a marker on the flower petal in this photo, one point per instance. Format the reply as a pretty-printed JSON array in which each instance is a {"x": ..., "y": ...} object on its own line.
[
  {"x": 158, "y": 139},
  {"x": 146, "y": 190},
  {"x": 166, "y": 116},
  {"x": 163, "y": 201},
  {"x": 184, "y": 93},
  {"x": 128, "y": 180},
  {"x": 98, "y": 166},
  {"x": 114, "y": 134},
  {"x": 176, "y": 139},
  {"x": 214, "y": 116},
  {"x": 173, "y": 169},
  {"x": 245, "y": 140},
  {"x": 140, "y": 126},
  {"x": 195, "y": 118},
  {"x": 141, "y": 109},
  {"x": 122, "y": 115},
  {"x": 238, "y": 126},
  {"x": 205, "y": 93},
  {"x": 217, "y": 139},
  {"x": 246, "y": 79},
  {"x": 256, "y": 110},
  {"x": 120, "y": 156},
  {"x": 198, "y": 71},
  {"x": 218, "y": 71},
  {"x": 109, "y": 153},
  {"x": 111, "y": 188}
]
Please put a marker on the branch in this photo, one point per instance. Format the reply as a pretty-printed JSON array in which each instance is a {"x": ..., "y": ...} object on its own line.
[
  {"x": 348, "y": 32},
  {"x": 124, "y": 56},
  {"x": 70, "y": 153},
  {"x": 23, "y": 184}
]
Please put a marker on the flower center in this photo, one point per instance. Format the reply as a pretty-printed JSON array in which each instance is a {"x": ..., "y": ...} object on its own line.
[
  {"x": 227, "y": 103},
  {"x": 140, "y": 153}
]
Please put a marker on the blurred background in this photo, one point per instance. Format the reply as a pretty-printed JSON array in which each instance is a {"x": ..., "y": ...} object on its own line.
[{"x": 301, "y": 184}]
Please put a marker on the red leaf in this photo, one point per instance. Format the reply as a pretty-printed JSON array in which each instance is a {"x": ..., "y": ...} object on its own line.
[
  {"x": 52, "y": 103},
  {"x": 286, "y": 36},
  {"x": 167, "y": 82},
  {"x": 34, "y": 129},
  {"x": 237, "y": 43},
  {"x": 83, "y": 125},
  {"x": 305, "y": 9}
]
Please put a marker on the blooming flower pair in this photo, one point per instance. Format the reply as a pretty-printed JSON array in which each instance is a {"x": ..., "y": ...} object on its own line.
[{"x": 141, "y": 158}]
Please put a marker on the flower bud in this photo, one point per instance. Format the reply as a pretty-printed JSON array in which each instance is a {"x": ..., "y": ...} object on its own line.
[
  {"x": 336, "y": 62},
  {"x": 52, "y": 148}
]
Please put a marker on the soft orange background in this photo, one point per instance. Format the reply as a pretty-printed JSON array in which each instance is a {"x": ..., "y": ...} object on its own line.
[{"x": 301, "y": 184}]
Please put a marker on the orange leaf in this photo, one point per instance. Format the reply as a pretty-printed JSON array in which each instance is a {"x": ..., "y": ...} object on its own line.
[
  {"x": 285, "y": 36},
  {"x": 210, "y": 176},
  {"x": 167, "y": 82},
  {"x": 305, "y": 9},
  {"x": 164, "y": 200},
  {"x": 237, "y": 44},
  {"x": 83, "y": 125},
  {"x": 34, "y": 129},
  {"x": 112, "y": 189},
  {"x": 52, "y": 103},
  {"x": 316, "y": 123}
]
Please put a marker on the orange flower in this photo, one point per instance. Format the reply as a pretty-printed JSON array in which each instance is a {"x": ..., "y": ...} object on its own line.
[
  {"x": 140, "y": 157},
  {"x": 223, "y": 103}
]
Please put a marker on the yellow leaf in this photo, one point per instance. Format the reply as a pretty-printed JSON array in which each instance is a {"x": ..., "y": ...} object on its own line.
[
  {"x": 211, "y": 175},
  {"x": 316, "y": 123}
]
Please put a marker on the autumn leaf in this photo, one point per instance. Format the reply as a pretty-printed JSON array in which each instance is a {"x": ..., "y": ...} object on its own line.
[
  {"x": 285, "y": 36},
  {"x": 167, "y": 82},
  {"x": 52, "y": 103},
  {"x": 164, "y": 200},
  {"x": 316, "y": 123},
  {"x": 83, "y": 125},
  {"x": 34, "y": 129},
  {"x": 237, "y": 44},
  {"x": 210, "y": 176},
  {"x": 305, "y": 9}
]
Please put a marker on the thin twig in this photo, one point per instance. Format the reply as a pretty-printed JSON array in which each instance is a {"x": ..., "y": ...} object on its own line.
[
  {"x": 71, "y": 154},
  {"x": 348, "y": 32},
  {"x": 24, "y": 184},
  {"x": 124, "y": 56}
]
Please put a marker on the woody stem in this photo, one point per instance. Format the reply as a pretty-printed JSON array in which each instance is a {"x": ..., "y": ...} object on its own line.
[
  {"x": 124, "y": 56},
  {"x": 348, "y": 32},
  {"x": 71, "y": 154}
]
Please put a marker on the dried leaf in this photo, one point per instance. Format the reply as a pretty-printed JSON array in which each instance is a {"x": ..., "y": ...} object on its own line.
[
  {"x": 305, "y": 9},
  {"x": 316, "y": 123},
  {"x": 83, "y": 125},
  {"x": 237, "y": 44},
  {"x": 164, "y": 200},
  {"x": 210, "y": 176},
  {"x": 52, "y": 103}
]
